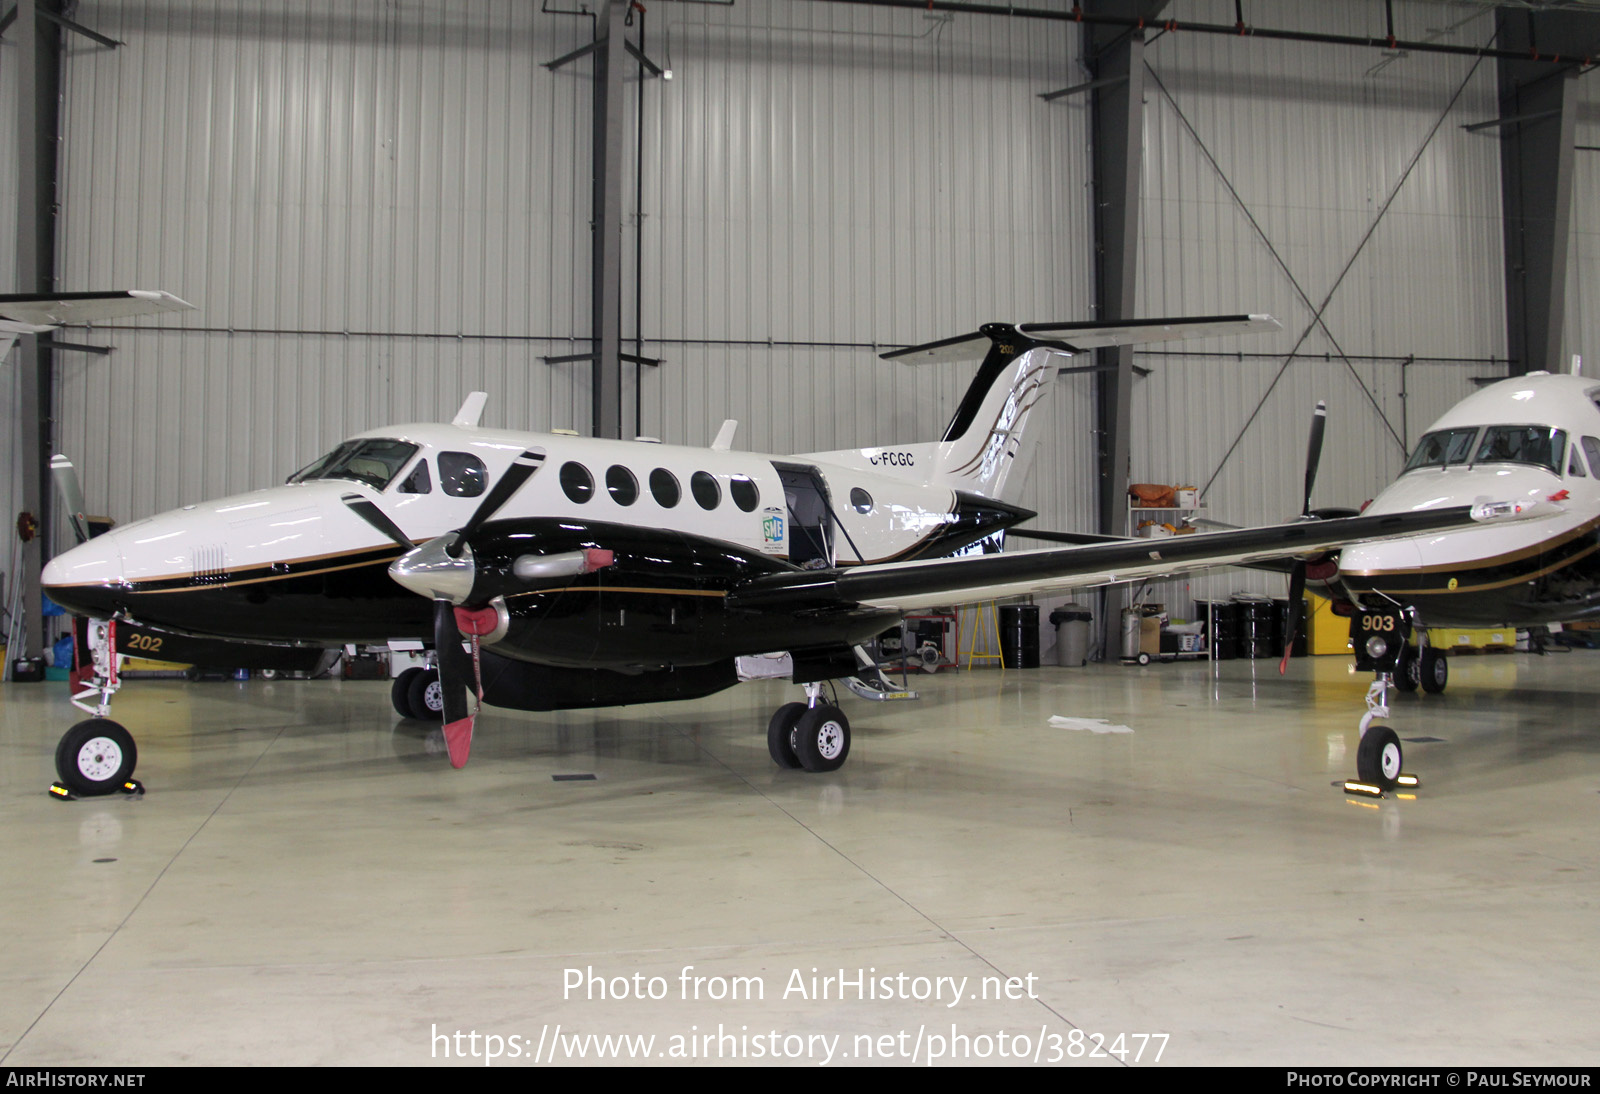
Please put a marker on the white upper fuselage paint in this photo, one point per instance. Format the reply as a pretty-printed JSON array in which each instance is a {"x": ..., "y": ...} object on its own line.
[{"x": 881, "y": 514}]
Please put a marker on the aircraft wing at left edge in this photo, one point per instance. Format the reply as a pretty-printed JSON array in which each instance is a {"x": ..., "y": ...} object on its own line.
[
  {"x": 37, "y": 313},
  {"x": 912, "y": 585},
  {"x": 39, "y": 310}
]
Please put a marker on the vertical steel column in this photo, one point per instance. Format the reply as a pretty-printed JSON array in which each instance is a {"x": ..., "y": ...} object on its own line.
[
  {"x": 606, "y": 287},
  {"x": 1116, "y": 59},
  {"x": 39, "y": 80},
  {"x": 1538, "y": 108}
]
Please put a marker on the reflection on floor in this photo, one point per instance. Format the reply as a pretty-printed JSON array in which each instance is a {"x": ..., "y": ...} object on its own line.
[{"x": 308, "y": 881}]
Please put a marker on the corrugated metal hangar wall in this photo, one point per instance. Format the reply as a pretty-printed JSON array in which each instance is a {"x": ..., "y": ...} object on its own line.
[{"x": 379, "y": 206}]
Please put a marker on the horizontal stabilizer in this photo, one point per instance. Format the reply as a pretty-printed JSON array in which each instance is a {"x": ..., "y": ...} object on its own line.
[
  {"x": 1077, "y": 337},
  {"x": 1131, "y": 332}
]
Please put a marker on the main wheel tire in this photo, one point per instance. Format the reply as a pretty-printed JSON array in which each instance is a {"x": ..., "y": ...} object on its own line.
[
  {"x": 822, "y": 738},
  {"x": 400, "y": 692},
  {"x": 1379, "y": 759},
  {"x": 1409, "y": 675},
  {"x": 96, "y": 757},
  {"x": 1435, "y": 671},
  {"x": 780, "y": 734},
  {"x": 426, "y": 696}
]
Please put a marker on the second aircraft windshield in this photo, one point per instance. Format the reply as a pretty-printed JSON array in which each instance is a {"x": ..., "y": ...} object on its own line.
[{"x": 1539, "y": 445}]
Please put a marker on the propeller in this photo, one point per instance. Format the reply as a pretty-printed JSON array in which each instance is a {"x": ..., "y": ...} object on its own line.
[
  {"x": 66, "y": 477},
  {"x": 1297, "y": 572},
  {"x": 444, "y": 570}
]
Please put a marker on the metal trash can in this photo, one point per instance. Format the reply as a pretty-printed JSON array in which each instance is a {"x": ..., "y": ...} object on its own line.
[{"x": 1071, "y": 622}]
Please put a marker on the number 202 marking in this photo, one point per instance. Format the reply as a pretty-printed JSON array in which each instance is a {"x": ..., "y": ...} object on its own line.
[{"x": 146, "y": 642}]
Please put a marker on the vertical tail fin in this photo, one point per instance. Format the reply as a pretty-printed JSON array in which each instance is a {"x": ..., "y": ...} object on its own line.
[{"x": 987, "y": 445}]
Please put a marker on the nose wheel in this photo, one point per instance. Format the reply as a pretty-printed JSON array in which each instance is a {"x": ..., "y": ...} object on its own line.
[
  {"x": 1379, "y": 758},
  {"x": 96, "y": 757}
]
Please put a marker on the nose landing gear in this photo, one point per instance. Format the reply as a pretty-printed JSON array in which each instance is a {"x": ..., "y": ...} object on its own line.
[{"x": 1380, "y": 638}]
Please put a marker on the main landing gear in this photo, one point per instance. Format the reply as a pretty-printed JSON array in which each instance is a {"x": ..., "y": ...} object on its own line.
[
  {"x": 416, "y": 693},
  {"x": 813, "y": 735},
  {"x": 97, "y": 756},
  {"x": 1423, "y": 666}
]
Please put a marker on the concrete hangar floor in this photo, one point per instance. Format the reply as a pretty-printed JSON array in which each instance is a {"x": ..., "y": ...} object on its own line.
[{"x": 308, "y": 881}]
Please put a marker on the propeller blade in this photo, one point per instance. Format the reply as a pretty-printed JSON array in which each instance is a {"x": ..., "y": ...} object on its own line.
[
  {"x": 376, "y": 517},
  {"x": 1297, "y": 612},
  {"x": 66, "y": 477},
  {"x": 520, "y": 471},
  {"x": 1319, "y": 423},
  {"x": 457, "y": 719}
]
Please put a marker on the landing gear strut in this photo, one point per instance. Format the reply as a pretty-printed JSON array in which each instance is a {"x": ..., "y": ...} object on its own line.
[
  {"x": 97, "y": 756},
  {"x": 1380, "y": 638}
]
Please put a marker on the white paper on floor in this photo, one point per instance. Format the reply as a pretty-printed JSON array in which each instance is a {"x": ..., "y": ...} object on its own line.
[{"x": 1094, "y": 725}]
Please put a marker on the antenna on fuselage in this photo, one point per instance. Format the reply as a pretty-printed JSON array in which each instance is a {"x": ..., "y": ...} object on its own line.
[
  {"x": 471, "y": 409},
  {"x": 1577, "y": 365}
]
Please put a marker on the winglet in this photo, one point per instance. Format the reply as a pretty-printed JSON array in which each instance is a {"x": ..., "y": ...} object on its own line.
[{"x": 471, "y": 410}]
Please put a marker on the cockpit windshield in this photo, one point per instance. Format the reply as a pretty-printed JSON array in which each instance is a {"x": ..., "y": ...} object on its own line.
[
  {"x": 374, "y": 461},
  {"x": 1443, "y": 448},
  {"x": 1539, "y": 445}
]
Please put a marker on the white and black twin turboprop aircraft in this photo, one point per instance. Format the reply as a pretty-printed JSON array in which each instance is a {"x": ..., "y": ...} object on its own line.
[{"x": 591, "y": 572}]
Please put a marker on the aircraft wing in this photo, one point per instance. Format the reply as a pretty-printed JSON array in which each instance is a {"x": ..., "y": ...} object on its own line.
[
  {"x": 34, "y": 312},
  {"x": 37, "y": 313},
  {"x": 912, "y": 585}
]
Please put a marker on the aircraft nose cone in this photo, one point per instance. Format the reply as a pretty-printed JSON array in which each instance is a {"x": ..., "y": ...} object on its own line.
[{"x": 88, "y": 579}]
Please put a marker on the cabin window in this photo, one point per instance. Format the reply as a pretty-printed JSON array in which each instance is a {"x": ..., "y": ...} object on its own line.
[
  {"x": 707, "y": 493},
  {"x": 374, "y": 461},
  {"x": 419, "y": 481},
  {"x": 621, "y": 484},
  {"x": 664, "y": 488},
  {"x": 576, "y": 482},
  {"x": 1591, "y": 448},
  {"x": 462, "y": 475},
  {"x": 744, "y": 492},
  {"x": 860, "y": 500},
  {"x": 1538, "y": 445}
]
